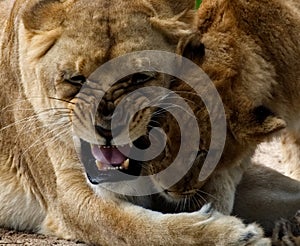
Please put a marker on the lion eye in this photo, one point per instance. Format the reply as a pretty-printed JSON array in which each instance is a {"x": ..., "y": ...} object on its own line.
[
  {"x": 76, "y": 80},
  {"x": 140, "y": 78},
  {"x": 262, "y": 113}
]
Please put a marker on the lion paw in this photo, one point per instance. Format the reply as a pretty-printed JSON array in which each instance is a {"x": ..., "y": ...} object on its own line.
[
  {"x": 208, "y": 227},
  {"x": 252, "y": 235},
  {"x": 287, "y": 232},
  {"x": 240, "y": 234}
]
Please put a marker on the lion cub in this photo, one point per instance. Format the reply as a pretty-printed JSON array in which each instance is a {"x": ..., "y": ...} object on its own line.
[{"x": 250, "y": 50}]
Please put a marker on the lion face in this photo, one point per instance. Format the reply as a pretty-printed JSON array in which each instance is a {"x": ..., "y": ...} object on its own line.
[{"x": 61, "y": 44}]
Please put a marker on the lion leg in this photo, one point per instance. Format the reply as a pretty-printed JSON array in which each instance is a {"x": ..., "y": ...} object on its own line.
[
  {"x": 291, "y": 154},
  {"x": 265, "y": 196},
  {"x": 222, "y": 187},
  {"x": 105, "y": 220}
]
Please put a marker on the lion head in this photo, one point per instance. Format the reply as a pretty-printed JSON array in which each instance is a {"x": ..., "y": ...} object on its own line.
[
  {"x": 60, "y": 46},
  {"x": 235, "y": 61}
]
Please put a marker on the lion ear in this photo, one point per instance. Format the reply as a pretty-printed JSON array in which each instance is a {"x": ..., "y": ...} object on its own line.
[
  {"x": 41, "y": 26},
  {"x": 179, "y": 6},
  {"x": 176, "y": 19},
  {"x": 256, "y": 126},
  {"x": 44, "y": 15},
  {"x": 191, "y": 47}
]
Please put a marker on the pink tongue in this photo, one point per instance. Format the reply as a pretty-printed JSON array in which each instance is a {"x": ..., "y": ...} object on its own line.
[{"x": 110, "y": 156}]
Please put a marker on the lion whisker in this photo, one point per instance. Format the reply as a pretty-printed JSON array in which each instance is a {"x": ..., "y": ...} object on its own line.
[
  {"x": 24, "y": 120},
  {"x": 37, "y": 110},
  {"x": 171, "y": 106},
  {"x": 208, "y": 194},
  {"x": 197, "y": 202},
  {"x": 31, "y": 118},
  {"x": 185, "y": 99},
  {"x": 50, "y": 141},
  {"x": 18, "y": 102},
  {"x": 35, "y": 143},
  {"x": 199, "y": 198},
  {"x": 177, "y": 208},
  {"x": 30, "y": 127},
  {"x": 61, "y": 100}
]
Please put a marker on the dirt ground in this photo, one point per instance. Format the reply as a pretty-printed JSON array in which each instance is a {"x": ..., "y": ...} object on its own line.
[
  {"x": 268, "y": 154},
  {"x": 11, "y": 238}
]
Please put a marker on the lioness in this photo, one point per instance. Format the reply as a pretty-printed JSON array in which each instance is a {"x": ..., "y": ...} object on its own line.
[
  {"x": 252, "y": 51},
  {"x": 48, "y": 49}
]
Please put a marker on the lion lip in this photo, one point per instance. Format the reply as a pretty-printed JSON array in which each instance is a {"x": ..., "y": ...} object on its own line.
[
  {"x": 111, "y": 169},
  {"x": 111, "y": 157},
  {"x": 105, "y": 167}
]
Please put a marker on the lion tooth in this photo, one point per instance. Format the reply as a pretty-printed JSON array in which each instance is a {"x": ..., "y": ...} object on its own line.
[
  {"x": 125, "y": 164},
  {"x": 99, "y": 165},
  {"x": 106, "y": 147},
  {"x": 130, "y": 145}
]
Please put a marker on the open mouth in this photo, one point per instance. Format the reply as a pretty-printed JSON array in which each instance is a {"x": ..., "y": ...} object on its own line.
[
  {"x": 110, "y": 163},
  {"x": 111, "y": 157}
]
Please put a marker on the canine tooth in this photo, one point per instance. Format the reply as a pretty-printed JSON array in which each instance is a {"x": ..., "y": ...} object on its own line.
[
  {"x": 99, "y": 165},
  {"x": 125, "y": 164},
  {"x": 130, "y": 144}
]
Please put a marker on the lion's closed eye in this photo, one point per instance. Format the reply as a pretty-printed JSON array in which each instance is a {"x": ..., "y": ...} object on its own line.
[{"x": 77, "y": 80}]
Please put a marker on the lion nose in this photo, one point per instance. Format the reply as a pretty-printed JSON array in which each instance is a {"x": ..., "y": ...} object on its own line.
[
  {"x": 108, "y": 134},
  {"x": 106, "y": 108},
  {"x": 103, "y": 132}
]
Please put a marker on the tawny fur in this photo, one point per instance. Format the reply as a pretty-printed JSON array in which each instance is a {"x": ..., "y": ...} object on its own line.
[
  {"x": 45, "y": 187},
  {"x": 251, "y": 55}
]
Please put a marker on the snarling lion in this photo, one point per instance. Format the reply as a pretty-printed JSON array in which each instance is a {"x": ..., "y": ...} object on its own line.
[{"x": 59, "y": 164}]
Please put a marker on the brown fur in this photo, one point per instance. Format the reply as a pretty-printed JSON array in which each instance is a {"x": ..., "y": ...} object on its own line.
[
  {"x": 287, "y": 232},
  {"x": 43, "y": 187},
  {"x": 252, "y": 56}
]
